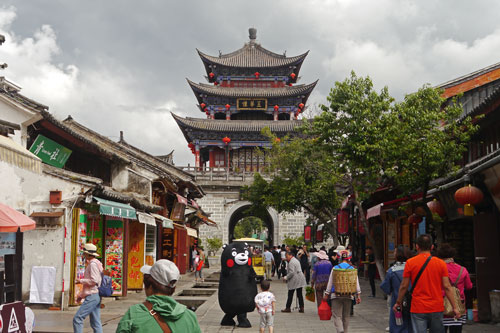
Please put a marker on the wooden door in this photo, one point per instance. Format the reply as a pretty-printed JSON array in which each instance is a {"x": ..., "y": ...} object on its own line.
[
  {"x": 182, "y": 250},
  {"x": 487, "y": 251}
]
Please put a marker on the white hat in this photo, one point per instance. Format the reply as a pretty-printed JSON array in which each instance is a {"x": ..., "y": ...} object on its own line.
[
  {"x": 322, "y": 255},
  {"x": 163, "y": 271},
  {"x": 339, "y": 248},
  {"x": 91, "y": 249}
]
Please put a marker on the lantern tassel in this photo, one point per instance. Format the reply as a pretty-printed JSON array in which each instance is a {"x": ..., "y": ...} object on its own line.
[{"x": 468, "y": 210}]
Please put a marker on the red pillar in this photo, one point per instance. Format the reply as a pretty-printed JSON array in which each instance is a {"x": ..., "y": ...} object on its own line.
[
  {"x": 197, "y": 161},
  {"x": 211, "y": 158}
]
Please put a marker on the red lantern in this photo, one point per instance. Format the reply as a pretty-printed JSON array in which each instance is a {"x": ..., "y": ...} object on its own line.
[
  {"x": 203, "y": 105},
  {"x": 257, "y": 74},
  {"x": 211, "y": 75},
  {"x": 191, "y": 145},
  {"x": 276, "y": 108},
  {"x": 226, "y": 140},
  {"x": 468, "y": 196},
  {"x": 414, "y": 219},
  {"x": 301, "y": 105},
  {"x": 293, "y": 76},
  {"x": 205, "y": 109},
  {"x": 207, "y": 113},
  {"x": 343, "y": 222},
  {"x": 436, "y": 207},
  {"x": 216, "y": 83},
  {"x": 228, "y": 106},
  {"x": 290, "y": 84},
  {"x": 307, "y": 233}
]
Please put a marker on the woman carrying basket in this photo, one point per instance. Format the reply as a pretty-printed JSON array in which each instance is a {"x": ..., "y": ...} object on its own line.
[{"x": 341, "y": 303}]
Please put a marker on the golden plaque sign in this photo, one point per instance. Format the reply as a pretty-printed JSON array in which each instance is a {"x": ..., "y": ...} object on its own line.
[{"x": 252, "y": 104}]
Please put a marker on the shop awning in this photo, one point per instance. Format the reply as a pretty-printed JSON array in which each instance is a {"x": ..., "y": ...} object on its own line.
[
  {"x": 13, "y": 153},
  {"x": 166, "y": 223},
  {"x": 192, "y": 232},
  {"x": 146, "y": 218},
  {"x": 11, "y": 220},
  {"x": 374, "y": 211},
  {"x": 116, "y": 209}
]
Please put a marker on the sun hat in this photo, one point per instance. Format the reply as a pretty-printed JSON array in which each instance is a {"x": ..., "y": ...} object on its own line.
[
  {"x": 322, "y": 255},
  {"x": 91, "y": 249},
  {"x": 339, "y": 248},
  {"x": 163, "y": 271}
]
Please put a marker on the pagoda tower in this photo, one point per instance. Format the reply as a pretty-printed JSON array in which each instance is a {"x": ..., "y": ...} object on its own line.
[{"x": 246, "y": 90}]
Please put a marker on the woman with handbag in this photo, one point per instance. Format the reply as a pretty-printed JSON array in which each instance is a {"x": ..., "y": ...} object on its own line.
[
  {"x": 460, "y": 279},
  {"x": 321, "y": 273},
  {"x": 199, "y": 267},
  {"x": 391, "y": 285}
]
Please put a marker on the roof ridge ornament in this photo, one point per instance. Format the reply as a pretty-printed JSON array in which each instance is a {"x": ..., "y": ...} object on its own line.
[{"x": 252, "y": 34}]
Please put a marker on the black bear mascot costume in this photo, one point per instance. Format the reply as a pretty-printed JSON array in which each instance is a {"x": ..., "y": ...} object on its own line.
[{"x": 237, "y": 287}]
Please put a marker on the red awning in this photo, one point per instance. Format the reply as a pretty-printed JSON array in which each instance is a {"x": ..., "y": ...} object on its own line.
[
  {"x": 181, "y": 199},
  {"x": 11, "y": 220}
]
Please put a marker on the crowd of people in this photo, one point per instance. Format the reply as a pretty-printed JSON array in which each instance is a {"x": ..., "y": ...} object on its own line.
[{"x": 429, "y": 273}]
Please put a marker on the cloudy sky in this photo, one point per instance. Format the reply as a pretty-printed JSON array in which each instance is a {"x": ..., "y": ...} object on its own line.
[{"x": 121, "y": 65}]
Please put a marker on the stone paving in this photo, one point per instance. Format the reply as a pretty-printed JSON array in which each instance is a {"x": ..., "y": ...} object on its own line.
[{"x": 371, "y": 316}]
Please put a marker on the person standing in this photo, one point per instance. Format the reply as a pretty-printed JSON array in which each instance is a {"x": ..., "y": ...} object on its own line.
[
  {"x": 320, "y": 275},
  {"x": 269, "y": 261},
  {"x": 199, "y": 266},
  {"x": 265, "y": 302},
  {"x": 372, "y": 269},
  {"x": 295, "y": 281},
  {"x": 194, "y": 254},
  {"x": 390, "y": 286},
  {"x": 159, "y": 309},
  {"x": 427, "y": 304},
  {"x": 277, "y": 261},
  {"x": 459, "y": 277},
  {"x": 341, "y": 304},
  {"x": 91, "y": 305},
  {"x": 303, "y": 257}
]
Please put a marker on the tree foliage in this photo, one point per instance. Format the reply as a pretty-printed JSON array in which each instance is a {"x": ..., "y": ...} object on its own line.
[
  {"x": 214, "y": 244},
  {"x": 247, "y": 226}
]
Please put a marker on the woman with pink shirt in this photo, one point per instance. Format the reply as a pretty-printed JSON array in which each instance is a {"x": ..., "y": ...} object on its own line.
[
  {"x": 460, "y": 278},
  {"x": 90, "y": 293}
]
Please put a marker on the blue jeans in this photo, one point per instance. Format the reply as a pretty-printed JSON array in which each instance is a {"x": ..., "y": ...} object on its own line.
[
  {"x": 90, "y": 306},
  {"x": 433, "y": 321}
]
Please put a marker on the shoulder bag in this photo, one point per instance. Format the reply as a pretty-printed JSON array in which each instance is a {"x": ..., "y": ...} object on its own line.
[
  {"x": 157, "y": 317},
  {"x": 448, "y": 308},
  {"x": 406, "y": 303}
]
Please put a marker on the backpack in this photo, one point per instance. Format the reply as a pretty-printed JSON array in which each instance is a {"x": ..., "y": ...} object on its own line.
[{"x": 106, "y": 287}]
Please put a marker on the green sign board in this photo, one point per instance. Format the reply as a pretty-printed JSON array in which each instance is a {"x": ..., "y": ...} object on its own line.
[{"x": 50, "y": 151}]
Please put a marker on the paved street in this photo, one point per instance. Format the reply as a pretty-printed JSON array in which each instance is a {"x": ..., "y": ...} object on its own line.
[{"x": 369, "y": 316}]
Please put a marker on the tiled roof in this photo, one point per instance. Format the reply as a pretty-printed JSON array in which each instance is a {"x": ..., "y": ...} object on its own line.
[
  {"x": 252, "y": 55},
  {"x": 11, "y": 91},
  {"x": 227, "y": 126},
  {"x": 469, "y": 76},
  {"x": 252, "y": 92}
]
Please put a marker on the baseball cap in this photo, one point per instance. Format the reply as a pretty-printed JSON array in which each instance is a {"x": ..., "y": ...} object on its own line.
[{"x": 163, "y": 271}]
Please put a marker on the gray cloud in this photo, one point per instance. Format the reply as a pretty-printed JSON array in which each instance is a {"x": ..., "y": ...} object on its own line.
[{"x": 121, "y": 65}]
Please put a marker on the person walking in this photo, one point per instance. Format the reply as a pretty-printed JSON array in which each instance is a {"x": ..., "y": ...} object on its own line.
[
  {"x": 198, "y": 273},
  {"x": 320, "y": 275},
  {"x": 295, "y": 281},
  {"x": 91, "y": 305},
  {"x": 277, "y": 262},
  {"x": 160, "y": 312},
  {"x": 341, "y": 304},
  {"x": 372, "y": 269},
  {"x": 265, "y": 302},
  {"x": 303, "y": 256},
  {"x": 390, "y": 286},
  {"x": 269, "y": 261},
  {"x": 459, "y": 277},
  {"x": 427, "y": 304}
]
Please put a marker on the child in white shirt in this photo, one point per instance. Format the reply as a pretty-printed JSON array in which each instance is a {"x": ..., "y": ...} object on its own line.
[{"x": 265, "y": 303}]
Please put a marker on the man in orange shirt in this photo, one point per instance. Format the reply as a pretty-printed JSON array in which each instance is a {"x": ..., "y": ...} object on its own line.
[{"x": 427, "y": 304}]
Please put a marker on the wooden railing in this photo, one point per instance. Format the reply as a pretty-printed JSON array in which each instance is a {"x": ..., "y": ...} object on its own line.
[{"x": 222, "y": 173}]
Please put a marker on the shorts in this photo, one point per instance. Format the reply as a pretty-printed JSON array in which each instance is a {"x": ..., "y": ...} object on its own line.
[{"x": 266, "y": 319}]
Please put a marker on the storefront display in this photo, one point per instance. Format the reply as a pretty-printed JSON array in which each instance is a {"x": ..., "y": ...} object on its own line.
[
  {"x": 7, "y": 246},
  {"x": 114, "y": 253}
]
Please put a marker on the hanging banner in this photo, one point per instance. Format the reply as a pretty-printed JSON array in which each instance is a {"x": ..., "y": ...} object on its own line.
[
  {"x": 319, "y": 233},
  {"x": 167, "y": 246},
  {"x": 114, "y": 254},
  {"x": 178, "y": 212},
  {"x": 50, "y": 151},
  {"x": 343, "y": 222},
  {"x": 135, "y": 255},
  {"x": 307, "y": 233}
]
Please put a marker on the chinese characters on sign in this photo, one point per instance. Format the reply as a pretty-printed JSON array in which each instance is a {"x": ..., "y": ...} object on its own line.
[
  {"x": 168, "y": 244},
  {"x": 50, "y": 151},
  {"x": 135, "y": 255},
  {"x": 252, "y": 104}
]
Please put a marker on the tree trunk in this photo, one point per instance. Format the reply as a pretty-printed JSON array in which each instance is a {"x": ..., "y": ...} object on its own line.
[{"x": 378, "y": 256}]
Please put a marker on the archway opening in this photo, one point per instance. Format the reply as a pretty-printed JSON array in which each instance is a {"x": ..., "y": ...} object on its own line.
[{"x": 242, "y": 223}]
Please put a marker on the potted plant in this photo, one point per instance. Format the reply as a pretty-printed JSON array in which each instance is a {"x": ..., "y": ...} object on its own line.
[{"x": 213, "y": 245}]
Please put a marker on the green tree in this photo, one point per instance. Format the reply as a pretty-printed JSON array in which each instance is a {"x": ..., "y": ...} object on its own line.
[
  {"x": 304, "y": 179},
  {"x": 247, "y": 226},
  {"x": 214, "y": 244}
]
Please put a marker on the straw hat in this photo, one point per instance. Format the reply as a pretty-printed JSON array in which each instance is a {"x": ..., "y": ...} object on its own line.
[
  {"x": 339, "y": 248},
  {"x": 91, "y": 249},
  {"x": 322, "y": 255}
]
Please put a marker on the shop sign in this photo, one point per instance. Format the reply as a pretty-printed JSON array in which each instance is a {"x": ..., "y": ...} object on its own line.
[
  {"x": 252, "y": 104},
  {"x": 50, "y": 151},
  {"x": 135, "y": 255},
  {"x": 12, "y": 317},
  {"x": 178, "y": 212},
  {"x": 167, "y": 248}
]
